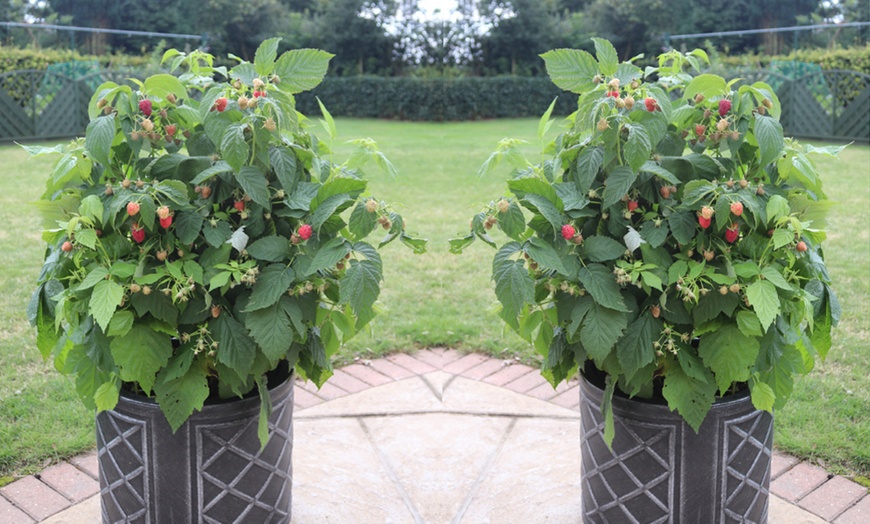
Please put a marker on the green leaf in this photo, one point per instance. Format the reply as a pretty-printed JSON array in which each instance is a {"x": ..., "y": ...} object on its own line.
[
  {"x": 236, "y": 349},
  {"x": 601, "y": 329},
  {"x": 272, "y": 327},
  {"x": 547, "y": 256},
  {"x": 162, "y": 85},
  {"x": 328, "y": 255},
  {"x": 272, "y": 283},
  {"x": 729, "y": 354},
  {"x": 265, "y": 411},
  {"x": 608, "y": 60},
  {"x": 571, "y": 69},
  {"x": 775, "y": 277},
  {"x": 327, "y": 208},
  {"x": 710, "y": 86},
  {"x": 638, "y": 146},
  {"x": 771, "y": 144},
  {"x": 513, "y": 287},
  {"x": 106, "y": 396},
  {"x": 782, "y": 237},
  {"x": 601, "y": 249},
  {"x": 777, "y": 207},
  {"x": 217, "y": 235},
  {"x": 654, "y": 235},
  {"x": 99, "y": 273},
  {"x": 284, "y": 164},
  {"x": 764, "y": 300},
  {"x": 683, "y": 226},
  {"x": 179, "y": 397},
  {"x": 690, "y": 397},
  {"x": 158, "y": 305},
  {"x": 98, "y": 138},
  {"x": 272, "y": 248},
  {"x": 219, "y": 167},
  {"x": 607, "y": 410},
  {"x": 92, "y": 208},
  {"x": 233, "y": 146},
  {"x": 187, "y": 224},
  {"x": 105, "y": 298},
  {"x": 121, "y": 324},
  {"x": 544, "y": 123},
  {"x": 588, "y": 163},
  {"x": 264, "y": 58},
  {"x": 762, "y": 394},
  {"x": 253, "y": 181},
  {"x": 539, "y": 204},
  {"x": 360, "y": 285},
  {"x": 512, "y": 221},
  {"x": 600, "y": 283},
  {"x": 748, "y": 323},
  {"x": 302, "y": 69},
  {"x": 635, "y": 350},
  {"x": 140, "y": 354},
  {"x": 619, "y": 181}
]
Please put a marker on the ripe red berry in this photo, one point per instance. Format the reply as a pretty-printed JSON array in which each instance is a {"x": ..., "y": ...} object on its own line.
[
  {"x": 166, "y": 222},
  {"x": 239, "y": 205},
  {"x": 132, "y": 208},
  {"x": 568, "y": 231},
  {"x": 724, "y": 107},
  {"x": 705, "y": 222},
  {"x": 632, "y": 205},
  {"x": 145, "y": 107},
  {"x": 220, "y": 104},
  {"x": 138, "y": 233},
  {"x": 700, "y": 130},
  {"x": 171, "y": 129},
  {"x": 66, "y": 247},
  {"x": 304, "y": 231},
  {"x": 737, "y": 208},
  {"x": 801, "y": 246},
  {"x": 650, "y": 104},
  {"x": 732, "y": 233}
]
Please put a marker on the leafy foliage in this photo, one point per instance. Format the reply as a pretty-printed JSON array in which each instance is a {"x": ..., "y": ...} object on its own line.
[
  {"x": 198, "y": 236},
  {"x": 684, "y": 262}
]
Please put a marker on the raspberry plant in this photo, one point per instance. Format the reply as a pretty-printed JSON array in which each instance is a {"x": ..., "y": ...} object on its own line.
[
  {"x": 674, "y": 244},
  {"x": 200, "y": 234}
]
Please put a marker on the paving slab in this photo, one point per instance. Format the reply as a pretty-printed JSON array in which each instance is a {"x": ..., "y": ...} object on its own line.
[
  {"x": 438, "y": 458},
  {"x": 411, "y": 395},
  {"x": 85, "y": 512},
  {"x": 783, "y": 512},
  {"x": 473, "y": 396}
]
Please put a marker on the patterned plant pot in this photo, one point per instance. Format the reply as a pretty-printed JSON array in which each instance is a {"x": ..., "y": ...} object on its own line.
[
  {"x": 660, "y": 471},
  {"x": 211, "y": 471}
]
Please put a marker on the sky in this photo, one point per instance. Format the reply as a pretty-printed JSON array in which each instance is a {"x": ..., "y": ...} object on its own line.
[{"x": 431, "y": 5}]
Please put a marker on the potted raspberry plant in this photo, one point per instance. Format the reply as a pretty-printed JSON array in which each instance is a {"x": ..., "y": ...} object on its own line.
[
  {"x": 669, "y": 246},
  {"x": 202, "y": 244}
]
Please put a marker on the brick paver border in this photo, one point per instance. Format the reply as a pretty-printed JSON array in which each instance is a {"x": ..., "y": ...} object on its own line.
[{"x": 833, "y": 498}]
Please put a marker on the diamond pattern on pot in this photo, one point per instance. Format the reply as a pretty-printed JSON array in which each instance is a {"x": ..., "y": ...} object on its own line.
[
  {"x": 231, "y": 466},
  {"x": 120, "y": 440},
  {"x": 746, "y": 470},
  {"x": 634, "y": 483}
]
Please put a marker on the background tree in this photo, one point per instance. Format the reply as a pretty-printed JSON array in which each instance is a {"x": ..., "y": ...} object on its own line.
[
  {"x": 355, "y": 31},
  {"x": 519, "y": 32}
]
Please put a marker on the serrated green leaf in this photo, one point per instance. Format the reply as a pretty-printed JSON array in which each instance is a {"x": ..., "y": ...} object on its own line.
[
  {"x": 608, "y": 60},
  {"x": 161, "y": 85},
  {"x": 762, "y": 394},
  {"x": 272, "y": 283},
  {"x": 98, "y": 138},
  {"x": 513, "y": 287},
  {"x": 106, "y": 396},
  {"x": 545, "y": 255},
  {"x": 601, "y": 249},
  {"x": 512, "y": 221},
  {"x": 158, "y": 305},
  {"x": 179, "y": 397},
  {"x": 601, "y": 329},
  {"x": 187, "y": 224},
  {"x": 236, "y": 349},
  {"x": 272, "y": 328},
  {"x": 638, "y": 146},
  {"x": 635, "y": 350},
  {"x": 360, "y": 285},
  {"x": 710, "y": 86},
  {"x": 539, "y": 204},
  {"x": 140, "y": 354},
  {"x": 690, "y": 397},
  {"x": 601, "y": 284},
  {"x": 768, "y": 132},
  {"x": 121, "y": 324},
  {"x": 264, "y": 57},
  {"x": 92, "y": 207},
  {"x": 217, "y": 235},
  {"x": 619, "y": 181},
  {"x": 271, "y": 249},
  {"x": 219, "y": 167},
  {"x": 782, "y": 237},
  {"x": 327, "y": 208},
  {"x": 302, "y": 69},
  {"x": 764, "y": 300},
  {"x": 233, "y": 146},
  {"x": 105, "y": 299},
  {"x": 253, "y": 181},
  {"x": 571, "y": 69},
  {"x": 729, "y": 354},
  {"x": 328, "y": 255},
  {"x": 748, "y": 324},
  {"x": 99, "y": 273},
  {"x": 587, "y": 165},
  {"x": 775, "y": 277},
  {"x": 283, "y": 161},
  {"x": 777, "y": 207},
  {"x": 683, "y": 226}
]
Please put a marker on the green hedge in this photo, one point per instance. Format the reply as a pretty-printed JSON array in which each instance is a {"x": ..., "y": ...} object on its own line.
[
  {"x": 19, "y": 59},
  {"x": 850, "y": 59},
  {"x": 437, "y": 99}
]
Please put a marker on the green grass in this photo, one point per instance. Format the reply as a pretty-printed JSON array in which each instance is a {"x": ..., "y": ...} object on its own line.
[{"x": 439, "y": 299}]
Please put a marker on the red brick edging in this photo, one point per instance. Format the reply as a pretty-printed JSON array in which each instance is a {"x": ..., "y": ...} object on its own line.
[{"x": 833, "y": 498}]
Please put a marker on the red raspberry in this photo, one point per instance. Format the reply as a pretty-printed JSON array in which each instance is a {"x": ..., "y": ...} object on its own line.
[
  {"x": 651, "y": 104},
  {"x": 166, "y": 222},
  {"x": 171, "y": 129},
  {"x": 705, "y": 222},
  {"x": 568, "y": 231},
  {"x": 732, "y": 233},
  {"x": 145, "y": 107},
  {"x": 66, "y": 247},
  {"x": 205, "y": 192},
  {"x": 258, "y": 94},
  {"x": 138, "y": 233},
  {"x": 724, "y": 107},
  {"x": 801, "y": 246},
  {"x": 220, "y": 104},
  {"x": 700, "y": 130},
  {"x": 132, "y": 208},
  {"x": 239, "y": 205},
  {"x": 737, "y": 208},
  {"x": 632, "y": 205},
  {"x": 304, "y": 231}
]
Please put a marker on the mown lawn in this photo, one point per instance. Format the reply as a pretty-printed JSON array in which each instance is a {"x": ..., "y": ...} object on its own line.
[{"x": 439, "y": 299}]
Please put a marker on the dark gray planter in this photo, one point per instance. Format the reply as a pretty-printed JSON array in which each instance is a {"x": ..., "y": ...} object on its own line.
[
  {"x": 660, "y": 471},
  {"x": 210, "y": 471}
]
